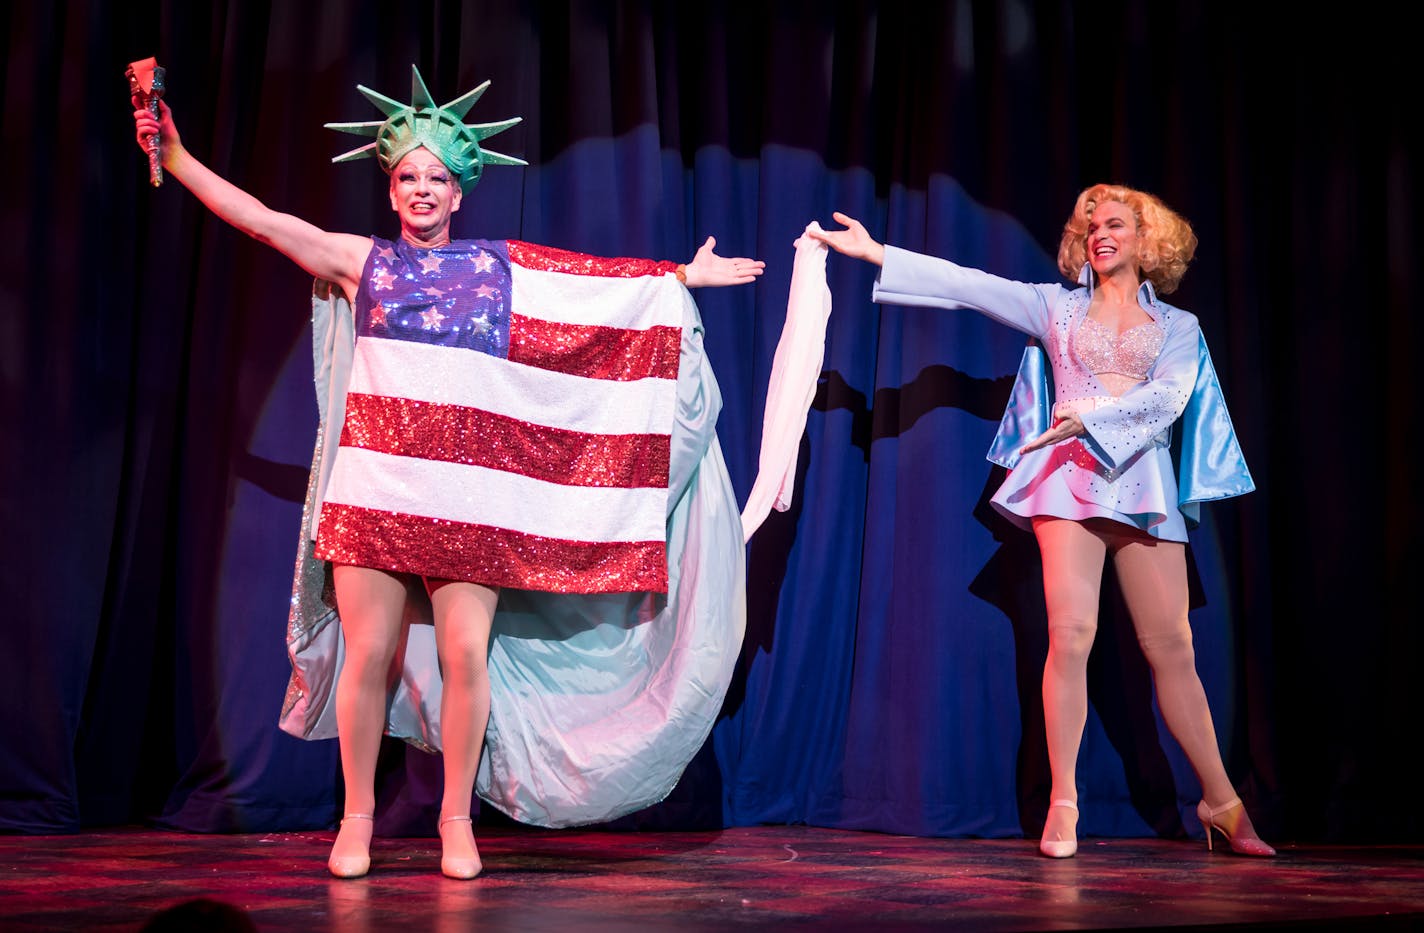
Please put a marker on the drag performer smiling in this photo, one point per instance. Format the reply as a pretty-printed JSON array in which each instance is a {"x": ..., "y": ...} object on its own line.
[
  {"x": 517, "y": 446},
  {"x": 1091, "y": 470}
]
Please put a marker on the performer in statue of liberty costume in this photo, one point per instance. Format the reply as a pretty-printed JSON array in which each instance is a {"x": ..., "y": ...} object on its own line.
[
  {"x": 1087, "y": 438},
  {"x": 583, "y": 572}
]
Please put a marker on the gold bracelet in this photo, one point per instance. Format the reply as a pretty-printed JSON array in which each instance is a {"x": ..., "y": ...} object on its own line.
[{"x": 682, "y": 273}]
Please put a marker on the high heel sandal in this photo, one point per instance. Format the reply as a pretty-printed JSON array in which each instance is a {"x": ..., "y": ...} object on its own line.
[
  {"x": 350, "y": 866},
  {"x": 1253, "y": 845},
  {"x": 1060, "y": 848},
  {"x": 461, "y": 869}
]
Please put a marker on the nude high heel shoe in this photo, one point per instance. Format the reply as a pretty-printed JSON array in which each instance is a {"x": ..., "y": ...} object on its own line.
[
  {"x": 461, "y": 869},
  {"x": 350, "y": 866},
  {"x": 1252, "y": 845},
  {"x": 1060, "y": 848}
]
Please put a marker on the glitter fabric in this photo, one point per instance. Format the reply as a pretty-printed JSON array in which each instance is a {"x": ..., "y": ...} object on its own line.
[
  {"x": 453, "y": 296},
  {"x": 451, "y": 550},
  {"x": 479, "y": 438},
  {"x": 549, "y": 259},
  {"x": 457, "y": 434},
  {"x": 597, "y": 352},
  {"x": 1130, "y": 353}
]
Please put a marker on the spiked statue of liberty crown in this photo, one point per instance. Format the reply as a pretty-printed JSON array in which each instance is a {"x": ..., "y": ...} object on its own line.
[{"x": 442, "y": 130}]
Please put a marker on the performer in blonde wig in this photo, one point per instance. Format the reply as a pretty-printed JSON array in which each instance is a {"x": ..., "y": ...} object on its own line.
[
  {"x": 1092, "y": 472},
  {"x": 518, "y": 446}
]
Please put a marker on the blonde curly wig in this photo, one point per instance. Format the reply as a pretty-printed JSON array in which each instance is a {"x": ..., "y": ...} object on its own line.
[{"x": 1167, "y": 241}]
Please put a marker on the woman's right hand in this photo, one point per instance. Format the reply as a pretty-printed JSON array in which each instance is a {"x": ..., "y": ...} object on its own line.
[
  {"x": 1070, "y": 425},
  {"x": 852, "y": 241},
  {"x": 147, "y": 125}
]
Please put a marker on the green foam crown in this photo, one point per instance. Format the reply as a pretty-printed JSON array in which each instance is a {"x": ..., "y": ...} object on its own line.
[{"x": 442, "y": 130}]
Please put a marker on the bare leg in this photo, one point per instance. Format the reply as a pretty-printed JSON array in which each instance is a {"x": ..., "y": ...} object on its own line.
[
  {"x": 1072, "y": 576},
  {"x": 371, "y": 602},
  {"x": 463, "y": 614},
  {"x": 1153, "y": 575}
]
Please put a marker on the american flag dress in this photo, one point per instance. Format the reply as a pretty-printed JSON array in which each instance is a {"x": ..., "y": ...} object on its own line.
[{"x": 544, "y": 422}]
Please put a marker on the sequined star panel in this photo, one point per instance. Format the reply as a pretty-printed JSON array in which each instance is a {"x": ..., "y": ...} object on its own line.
[{"x": 508, "y": 418}]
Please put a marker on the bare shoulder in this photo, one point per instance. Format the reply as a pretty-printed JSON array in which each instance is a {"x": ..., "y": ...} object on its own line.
[
  {"x": 354, "y": 250},
  {"x": 348, "y": 254},
  {"x": 353, "y": 246}
]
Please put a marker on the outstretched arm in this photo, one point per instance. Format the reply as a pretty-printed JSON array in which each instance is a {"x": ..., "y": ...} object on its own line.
[
  {"x": 853, "y": 241},
  {"x": 337, "y": 257},
  {"x": 920, "y": 281},
  {"x": 708, "y": 269}
]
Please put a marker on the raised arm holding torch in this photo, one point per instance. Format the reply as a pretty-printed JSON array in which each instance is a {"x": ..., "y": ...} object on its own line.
[{"x": 463, "y": 292}]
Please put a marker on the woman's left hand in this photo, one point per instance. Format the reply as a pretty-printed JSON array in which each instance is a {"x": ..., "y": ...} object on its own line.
[
  {"x": 1070, "y": 426},
  {"x": 709, "y": 269}
]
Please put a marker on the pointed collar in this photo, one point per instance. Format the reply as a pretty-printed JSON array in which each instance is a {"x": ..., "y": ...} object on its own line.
[{"x": 1146, "y": 294}]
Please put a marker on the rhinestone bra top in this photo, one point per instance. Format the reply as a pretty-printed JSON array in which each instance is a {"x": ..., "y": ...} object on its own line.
[{"x": 1131, "y": 353}]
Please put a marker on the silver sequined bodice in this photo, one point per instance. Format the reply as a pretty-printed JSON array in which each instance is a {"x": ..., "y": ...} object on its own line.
[{"x": 1130, "y": 353}]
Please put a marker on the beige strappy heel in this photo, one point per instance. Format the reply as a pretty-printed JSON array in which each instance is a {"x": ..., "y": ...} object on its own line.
[
  {"x": 1253, "y": 845},
  {"x": 462, "y": 869},
  {"x": 350, "y": 866}
]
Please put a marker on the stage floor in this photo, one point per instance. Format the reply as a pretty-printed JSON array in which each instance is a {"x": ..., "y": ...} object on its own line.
[{"x": 782, "y": 876}]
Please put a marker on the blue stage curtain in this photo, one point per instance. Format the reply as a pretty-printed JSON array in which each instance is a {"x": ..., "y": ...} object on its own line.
[{"x": 158, "y": 416}]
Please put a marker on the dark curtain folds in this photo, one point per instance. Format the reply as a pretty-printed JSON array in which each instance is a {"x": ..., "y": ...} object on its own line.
[{"x": 158, "y": 416}]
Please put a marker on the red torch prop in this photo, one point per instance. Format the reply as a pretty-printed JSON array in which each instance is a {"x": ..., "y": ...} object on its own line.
[{"x": 146, "y": 84}]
